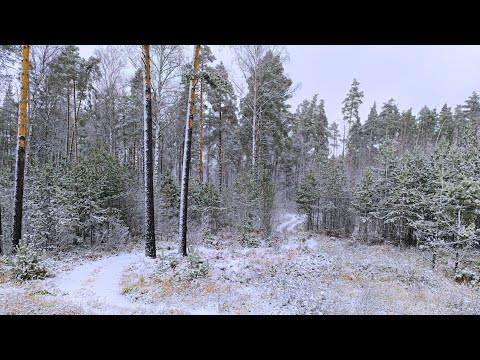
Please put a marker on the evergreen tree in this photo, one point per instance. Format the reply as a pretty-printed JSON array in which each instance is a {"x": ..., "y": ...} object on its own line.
[
  {"x": 427, "y": 124},
  {"x": 446, "y": 128},
  {"x": 168, "y": 200},
  {"x": 388, "y": 122},
  {"x": 307, "y": 197},
  {"x": 351, "y": 105},
  {"x": 334, "y": 134},
  {"x": 365, "y": 203},
  {"x": 372, "y": 130},
  {"x": 408, "y": 128},
  {"x": 8, "y": 130}
]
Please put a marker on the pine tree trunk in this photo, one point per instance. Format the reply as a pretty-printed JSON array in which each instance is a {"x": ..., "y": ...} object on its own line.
[
  {"x": 76, "y": 128},
  {"x": 254, "y": 125},
  {"x": 1, "y": 231},
  {"x": 20, "y": 167},
  {"x": 156, "y": 172},
  {"x": 220, "y": 154},
  {"x": 459, "y": 223},
  {"x": 150, "y": 249},
  {"x": 200, "y": 139},
  {"x": 72, "y": 142},
  {"x": 207, "y": 165},
  {"x": 182, "y": 227},
  {"x": 68, "y": 120},
  {"x": 181, "y": 162}
]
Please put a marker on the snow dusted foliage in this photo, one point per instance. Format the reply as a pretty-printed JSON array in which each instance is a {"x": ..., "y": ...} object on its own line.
[
  {"x": 109, "y": 166},
  {"x": 307, "y": 197},
  {"x": 168, "y": 199},
  {"x": 352, "y": 103},
  {"x": 28, "y": 265}
]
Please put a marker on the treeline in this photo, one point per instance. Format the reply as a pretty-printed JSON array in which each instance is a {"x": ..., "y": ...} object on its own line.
[
  {"x": 412, "y": 180},
  {"x": 85, "y": 145}
]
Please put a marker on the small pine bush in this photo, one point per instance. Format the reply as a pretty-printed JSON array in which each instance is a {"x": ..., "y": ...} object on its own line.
[
  {"x": 197, "y": 265},
  {"x": 28, "y": 265}
]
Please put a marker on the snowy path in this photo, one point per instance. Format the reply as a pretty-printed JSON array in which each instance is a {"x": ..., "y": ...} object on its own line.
[
  {"x": 96, "y": 285},
  {"x": 291, "y": 222}
]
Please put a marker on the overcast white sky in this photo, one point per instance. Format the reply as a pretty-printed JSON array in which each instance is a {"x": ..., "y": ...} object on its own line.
[{"x": 414, "y": 75}]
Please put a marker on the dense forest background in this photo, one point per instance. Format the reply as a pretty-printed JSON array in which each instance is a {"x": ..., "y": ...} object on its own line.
[{"x": 396, "y": 176}]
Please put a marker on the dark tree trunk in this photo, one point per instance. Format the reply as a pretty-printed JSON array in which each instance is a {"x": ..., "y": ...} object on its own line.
[
  {"x": 21, "y": 144},
  {"x": 200, "y": 139},
  {"x": 182, "y": 227},
  {"x": 456, "y": 261},
  {"x": 74, "y": 130},
  {"x": 220, "y": 152},
  {"x": 1, "y": 231},
  {"x": 150, "y": 249},
  {"x": 68, "y": 119}
]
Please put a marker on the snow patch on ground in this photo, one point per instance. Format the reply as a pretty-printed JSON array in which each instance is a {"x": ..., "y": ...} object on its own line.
[{"x": 96, "y": 284}]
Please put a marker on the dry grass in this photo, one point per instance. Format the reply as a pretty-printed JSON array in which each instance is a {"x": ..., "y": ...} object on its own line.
[
  {"x": 36, "y": 302},
  {"x": 315, "y": 276}
]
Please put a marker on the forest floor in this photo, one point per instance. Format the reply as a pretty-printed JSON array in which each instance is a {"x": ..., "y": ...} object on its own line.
[{"x": 299, "y": 273}]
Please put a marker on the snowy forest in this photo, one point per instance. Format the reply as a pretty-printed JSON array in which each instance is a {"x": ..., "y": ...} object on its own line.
[{"x": 202, "y": 191}]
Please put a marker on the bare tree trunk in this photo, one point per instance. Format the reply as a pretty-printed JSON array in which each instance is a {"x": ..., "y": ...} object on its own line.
[
  {"x": 156, "y": 173},
  {"x": 254, "y": 123},
  {"x": 200, "y": 140},
  {"x": 182, "y": 227},
  {"x": 1, "y": 230},
  {"x": 20, "y": 167},
  {"x": 220, "y": 154},
  {"x": 68, "y": 119},
  {"x": 181, "y": 162},
  {"x": 74, "y": 121},
  {"x": 207, "y": 170},
  {"x": 76, "y": 128},
  {"x": 150, "y": 249},
  {"x": 161, "y": 158},
  {"x": 458, "y": 241}
]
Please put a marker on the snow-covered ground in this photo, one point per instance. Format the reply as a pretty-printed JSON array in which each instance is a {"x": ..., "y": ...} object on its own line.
[{"x": 300, "y": 273}]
